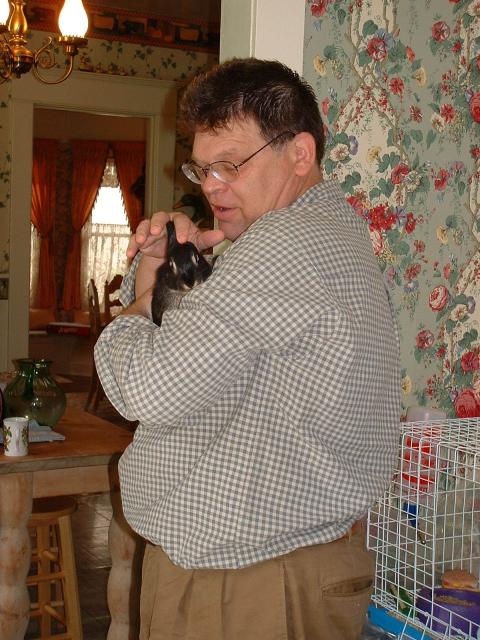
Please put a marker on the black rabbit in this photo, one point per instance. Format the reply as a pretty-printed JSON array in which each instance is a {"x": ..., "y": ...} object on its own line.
[{"x": 182, "y": 270}]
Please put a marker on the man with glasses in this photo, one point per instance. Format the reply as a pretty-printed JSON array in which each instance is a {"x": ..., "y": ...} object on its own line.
[{"x": 268, "y": 401}]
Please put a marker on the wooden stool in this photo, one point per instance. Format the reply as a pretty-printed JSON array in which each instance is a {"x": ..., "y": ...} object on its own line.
[{"x": 56, "y": 576}]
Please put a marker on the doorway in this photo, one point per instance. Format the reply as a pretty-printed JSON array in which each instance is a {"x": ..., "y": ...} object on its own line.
[
  {"x": 153, "y": 100},
  {"x": 104, "y": 235}
]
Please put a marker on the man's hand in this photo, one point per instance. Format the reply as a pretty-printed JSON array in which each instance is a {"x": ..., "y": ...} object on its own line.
[{"x": 150, "y": 239}]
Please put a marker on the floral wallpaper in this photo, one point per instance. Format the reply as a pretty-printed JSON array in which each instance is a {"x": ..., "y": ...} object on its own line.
[
  {"x": 398, "y": 82},
  {"x": 120, "y": 58}
]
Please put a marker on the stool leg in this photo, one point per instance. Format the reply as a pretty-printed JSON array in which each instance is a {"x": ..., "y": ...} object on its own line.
[
  {"x": 70, "y": 596},
  {"x": 44, "y": 587},
  {"x": 57, "y": 594}
]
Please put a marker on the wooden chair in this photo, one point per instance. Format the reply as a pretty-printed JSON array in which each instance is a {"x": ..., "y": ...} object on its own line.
[
  {"x": 110, "y": 299},
  {"x": 54, "y": 580},
  {"x": 95, "y": 392}
]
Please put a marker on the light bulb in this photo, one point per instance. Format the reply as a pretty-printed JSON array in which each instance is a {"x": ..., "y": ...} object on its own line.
[
  {"x": 73, "y": 19},
  {"x": 4, "y": 11}
]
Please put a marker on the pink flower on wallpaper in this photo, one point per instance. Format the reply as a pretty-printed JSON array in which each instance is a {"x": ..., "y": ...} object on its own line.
[
  {"x": 381, "y": 218},
  {"x": 440, "y": 31},
  {"x": 454, "y": 1},
  {"x": 448, "y": 113},
  {"x": 419, "y": 246},
  {"x": 470, "y": 361},
  {"x": 319, "y": 7},
  {"x": 357, "y": 202},
  {"x": 475, "y": 153},
  {"x": 425, "y": 339},
  {"x": 438, "y": 298},
  {"x": 440, "y": 182},
  {"x": 377, "y": 241},
  {"x": 376, "y": 48},
  {"x": 399, "y": 173},
  {"x": 410, "y": 224},
  {"x": 412, "y": 271},
  {"x": 396, "y": 86},
  {"x": 415, "y": 114},
  {"x": 410, "y": 53},
  {"x": 447, "y": 270},
  {"x": 457, "y": 46},
  {"x": 467, "y": 405},
  {"x": 325, "y": 104},
  {"x": 475, "y": 106}
]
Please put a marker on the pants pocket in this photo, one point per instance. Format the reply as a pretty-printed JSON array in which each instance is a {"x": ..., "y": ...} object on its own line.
[
  {"x": 349, "y": 587},
  {"x": 346, "y": 605}
]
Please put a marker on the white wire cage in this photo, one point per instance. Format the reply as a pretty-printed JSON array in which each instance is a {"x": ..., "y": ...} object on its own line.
[{"x": 427, "y": 523}]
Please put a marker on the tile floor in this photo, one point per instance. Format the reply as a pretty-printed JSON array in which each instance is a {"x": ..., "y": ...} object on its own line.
[{"x": 90, "y": 530}]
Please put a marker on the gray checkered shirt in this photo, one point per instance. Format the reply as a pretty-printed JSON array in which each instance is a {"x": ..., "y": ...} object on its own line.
[{"x": 269, "y": 400}]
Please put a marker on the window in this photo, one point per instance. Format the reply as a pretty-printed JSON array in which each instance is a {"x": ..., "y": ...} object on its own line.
[{"x": 105, "y": 236}]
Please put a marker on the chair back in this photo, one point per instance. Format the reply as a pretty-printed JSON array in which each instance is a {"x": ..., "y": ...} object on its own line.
[
  {"x": 110, "y": 298},
  {"x": 94, "y": 310}
]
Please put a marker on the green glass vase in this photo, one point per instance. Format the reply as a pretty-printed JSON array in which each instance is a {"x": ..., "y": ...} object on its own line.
[{"x": 34, "y": 394}]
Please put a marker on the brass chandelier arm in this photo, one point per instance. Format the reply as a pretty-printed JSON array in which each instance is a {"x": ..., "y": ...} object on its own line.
[
  {"x": 48, "y": 60},
  {"x": 17, "y": 59},
  {"x": 63, "y": 77},
  {"x": 45, "y": 59}
]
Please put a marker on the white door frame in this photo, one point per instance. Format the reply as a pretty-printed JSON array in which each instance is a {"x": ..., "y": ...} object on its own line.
[{"x": 102, "y": 94}]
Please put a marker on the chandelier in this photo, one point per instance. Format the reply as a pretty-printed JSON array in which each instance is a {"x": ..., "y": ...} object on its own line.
[{"x": 16, "y": 59}]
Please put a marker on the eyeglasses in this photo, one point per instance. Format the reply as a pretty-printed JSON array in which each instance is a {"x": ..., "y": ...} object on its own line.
[{"x": 222, "y": 170}]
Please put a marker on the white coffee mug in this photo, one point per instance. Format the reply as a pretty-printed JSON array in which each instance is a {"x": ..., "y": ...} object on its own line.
[{"x": 15, "y": 436}]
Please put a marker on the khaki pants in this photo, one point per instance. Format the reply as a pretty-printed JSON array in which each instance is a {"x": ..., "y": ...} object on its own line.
[{"x": 314, "y": 593}]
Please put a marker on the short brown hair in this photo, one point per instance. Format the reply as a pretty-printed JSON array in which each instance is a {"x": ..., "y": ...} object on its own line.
[{"x": 267, "y": 91}]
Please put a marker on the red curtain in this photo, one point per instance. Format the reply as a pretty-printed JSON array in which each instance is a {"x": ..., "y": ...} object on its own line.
[
  {"x": 88, "y": 163},
  {"x": 130, "y": 162},
  {"x": 44, "y": 174}
]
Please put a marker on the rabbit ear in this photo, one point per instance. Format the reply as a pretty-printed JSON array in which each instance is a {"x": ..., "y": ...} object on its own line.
[{"x": 171, "y": 237}]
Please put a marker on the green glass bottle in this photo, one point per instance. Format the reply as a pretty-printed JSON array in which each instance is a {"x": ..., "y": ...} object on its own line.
[{"x": 34, "y": 393}]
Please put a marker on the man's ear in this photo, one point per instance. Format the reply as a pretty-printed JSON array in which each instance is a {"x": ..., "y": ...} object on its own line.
[{"x": 305, "y": 151}]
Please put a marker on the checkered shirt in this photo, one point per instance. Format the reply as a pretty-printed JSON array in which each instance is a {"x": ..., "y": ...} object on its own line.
[{"x": 269, "y": 400}]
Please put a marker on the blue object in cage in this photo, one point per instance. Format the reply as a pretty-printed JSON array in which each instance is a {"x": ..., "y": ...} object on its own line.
[{"x": 391, "y": 623}]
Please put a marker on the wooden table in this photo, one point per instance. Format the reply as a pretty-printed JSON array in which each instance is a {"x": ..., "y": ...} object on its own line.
[{"x": 85, "y": 462}]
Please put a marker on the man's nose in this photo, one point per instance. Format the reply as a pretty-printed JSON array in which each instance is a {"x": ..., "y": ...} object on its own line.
[{"x": 211, "y": 184}]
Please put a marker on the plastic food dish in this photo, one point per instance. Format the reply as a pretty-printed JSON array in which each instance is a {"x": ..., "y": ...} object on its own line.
[{"x": 450, "y": 610}]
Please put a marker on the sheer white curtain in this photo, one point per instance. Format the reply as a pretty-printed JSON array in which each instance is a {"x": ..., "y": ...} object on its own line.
[
  {"x": 105, "y": 236},
  {"x": 104, "y": 249}
]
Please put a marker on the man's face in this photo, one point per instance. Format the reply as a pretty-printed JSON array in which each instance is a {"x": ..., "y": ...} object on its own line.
[{"x": 264, "y": 183}]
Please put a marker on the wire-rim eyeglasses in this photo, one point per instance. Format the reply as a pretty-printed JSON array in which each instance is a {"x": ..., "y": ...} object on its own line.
[{"x": 222, "y": 170}]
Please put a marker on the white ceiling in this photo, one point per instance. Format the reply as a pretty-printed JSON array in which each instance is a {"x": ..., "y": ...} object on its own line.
[{"x": 208, "y": 10}]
